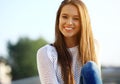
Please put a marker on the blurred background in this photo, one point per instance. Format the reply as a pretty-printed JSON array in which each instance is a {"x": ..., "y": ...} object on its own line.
[{"x": 27, "y": 25}]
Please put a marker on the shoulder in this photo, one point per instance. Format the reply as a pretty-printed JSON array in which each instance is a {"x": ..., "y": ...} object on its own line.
[
  {"x": 46, "y": 51},
  {"x": 43, "y": 50},
  {"x": 97, "y": 46},
  {"x": 97, "y": 50}
]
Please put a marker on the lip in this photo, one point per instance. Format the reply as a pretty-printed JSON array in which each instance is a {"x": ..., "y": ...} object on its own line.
[{"x": 68, "y": 28}]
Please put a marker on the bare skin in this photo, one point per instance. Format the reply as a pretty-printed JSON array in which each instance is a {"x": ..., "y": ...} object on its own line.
[{"x": 69, "y": 25}]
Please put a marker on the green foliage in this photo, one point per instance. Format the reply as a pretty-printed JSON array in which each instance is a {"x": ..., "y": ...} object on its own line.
[{"x": 23, "y": 56}]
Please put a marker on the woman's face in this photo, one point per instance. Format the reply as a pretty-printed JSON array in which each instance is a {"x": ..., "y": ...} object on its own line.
[{"x": 69, "y": 21}]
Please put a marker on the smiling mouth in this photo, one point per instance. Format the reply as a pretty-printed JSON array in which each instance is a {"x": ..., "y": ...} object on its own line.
[{"x": 68, "y": 28}]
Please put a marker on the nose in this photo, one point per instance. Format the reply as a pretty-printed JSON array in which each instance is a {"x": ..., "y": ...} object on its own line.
[{"x": 69, "y": 21}]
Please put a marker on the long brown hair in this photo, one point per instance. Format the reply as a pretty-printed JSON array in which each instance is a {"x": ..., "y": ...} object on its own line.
[{"x": 86, "y": 42}]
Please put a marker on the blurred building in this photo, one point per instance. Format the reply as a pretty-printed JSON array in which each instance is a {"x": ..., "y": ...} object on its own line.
[
  {"x": 111, "y": 75},
  {"x": 5, "y": 72}
]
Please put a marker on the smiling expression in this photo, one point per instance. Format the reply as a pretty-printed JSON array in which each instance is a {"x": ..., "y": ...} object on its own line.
[{"x": 69, "y": 21}]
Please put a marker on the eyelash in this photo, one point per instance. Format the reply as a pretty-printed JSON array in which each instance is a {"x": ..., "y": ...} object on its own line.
[
  {"x": 76, "y": 18},
  {"x": 65, "y": 17}
]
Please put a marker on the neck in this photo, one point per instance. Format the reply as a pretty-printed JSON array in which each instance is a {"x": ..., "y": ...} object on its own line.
[{"x": 70, "y": 42}]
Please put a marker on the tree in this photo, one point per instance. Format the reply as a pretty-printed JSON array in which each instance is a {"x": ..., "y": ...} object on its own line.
[{"x": 23, "y": 56}]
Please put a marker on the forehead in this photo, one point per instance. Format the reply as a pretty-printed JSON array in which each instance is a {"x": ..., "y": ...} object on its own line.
[{"x": 70, "y": 9}]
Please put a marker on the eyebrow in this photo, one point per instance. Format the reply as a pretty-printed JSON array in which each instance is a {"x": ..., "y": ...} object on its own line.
[{"x": 67, "y": 14}]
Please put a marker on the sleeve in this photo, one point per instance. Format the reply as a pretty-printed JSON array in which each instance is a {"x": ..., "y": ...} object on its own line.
[{"x": 45, "y": 68}]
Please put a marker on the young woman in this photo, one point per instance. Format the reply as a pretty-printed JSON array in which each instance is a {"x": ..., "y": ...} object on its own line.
[{"x": 72, "y": 58}]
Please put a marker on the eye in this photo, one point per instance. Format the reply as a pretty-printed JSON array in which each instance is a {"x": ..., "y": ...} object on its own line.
[
  {"x": 76, "y": 18},
  {"x": 64, "y": 16}
]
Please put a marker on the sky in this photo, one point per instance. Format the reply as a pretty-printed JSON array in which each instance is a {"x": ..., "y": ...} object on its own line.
[{"x": 36, "y": 18}]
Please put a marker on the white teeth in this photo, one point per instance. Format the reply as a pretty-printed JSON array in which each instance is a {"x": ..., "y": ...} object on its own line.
[{"x": 68, "y": 28}]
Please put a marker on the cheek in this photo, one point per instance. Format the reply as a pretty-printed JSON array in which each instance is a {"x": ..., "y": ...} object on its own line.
[
  {"x": 78, "y": 24},
  {"x": 60, "y": 23},
  {"x": 60, "y": 26}
]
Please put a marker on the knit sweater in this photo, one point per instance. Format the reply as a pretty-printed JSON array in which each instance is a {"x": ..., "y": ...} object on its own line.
[{"x": 49, "y": 69}]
